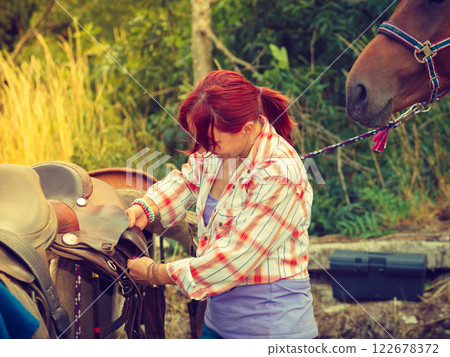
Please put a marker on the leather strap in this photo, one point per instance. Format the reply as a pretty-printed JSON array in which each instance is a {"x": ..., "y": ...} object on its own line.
[
  {"x": 428, "y": 49},
  {"x": 130, "y": 316},
  {"x": 33, "y": 260},
  {"x": 116, "y": 323},
  {"x": 154, "y": 310}
]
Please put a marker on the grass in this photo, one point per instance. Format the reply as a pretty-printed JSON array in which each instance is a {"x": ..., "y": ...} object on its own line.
[{"x": 49, "y": 111}]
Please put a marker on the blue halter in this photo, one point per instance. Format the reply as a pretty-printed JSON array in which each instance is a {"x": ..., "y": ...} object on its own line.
[{"x": 425, "y": 49}]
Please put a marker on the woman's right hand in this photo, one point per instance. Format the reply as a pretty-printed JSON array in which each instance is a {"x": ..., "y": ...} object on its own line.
[{"x": 137, "y": 217}]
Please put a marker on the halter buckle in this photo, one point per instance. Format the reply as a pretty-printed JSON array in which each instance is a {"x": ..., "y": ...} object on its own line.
[
  {"x": 420, "y": 108},
  {"x": 426, "y": 50}
]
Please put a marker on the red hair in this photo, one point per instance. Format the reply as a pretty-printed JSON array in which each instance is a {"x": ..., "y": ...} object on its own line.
[{"x": 227, "y": 101}]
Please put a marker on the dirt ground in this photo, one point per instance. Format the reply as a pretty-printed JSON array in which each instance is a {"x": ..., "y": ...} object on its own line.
[{"x": 428, "y": 318}]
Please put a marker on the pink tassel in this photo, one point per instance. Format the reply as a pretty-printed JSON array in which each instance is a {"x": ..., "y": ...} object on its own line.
[{"x": 380, "y": 140}]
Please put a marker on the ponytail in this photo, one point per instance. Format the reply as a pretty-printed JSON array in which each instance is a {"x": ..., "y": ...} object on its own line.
[{"x": 275, "y": 109}]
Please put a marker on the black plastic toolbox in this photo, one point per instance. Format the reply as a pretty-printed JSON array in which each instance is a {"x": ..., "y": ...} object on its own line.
[{"x": 377, "y": 276}]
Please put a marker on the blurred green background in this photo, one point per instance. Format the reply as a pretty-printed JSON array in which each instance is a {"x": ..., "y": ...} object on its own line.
[{"x": 62, "y": 97}]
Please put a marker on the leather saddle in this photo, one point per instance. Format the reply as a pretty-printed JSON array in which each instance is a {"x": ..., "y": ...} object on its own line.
[
  {"x": 91, "y": 220},
  {"x": 28, "y": 226},
  {"x": 76, "y": 217}
]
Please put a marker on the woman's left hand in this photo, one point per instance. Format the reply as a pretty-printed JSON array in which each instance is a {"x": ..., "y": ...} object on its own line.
[{"x": 138, "y": 269}]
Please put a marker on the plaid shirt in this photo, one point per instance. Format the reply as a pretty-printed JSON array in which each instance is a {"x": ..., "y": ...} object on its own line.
[{"x": 258, "y": 231}]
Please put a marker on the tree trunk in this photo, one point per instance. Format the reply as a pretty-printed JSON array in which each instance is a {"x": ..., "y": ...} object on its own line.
[
  {"x": 32, "y": 30},
  {"x": 201, "y": 43}
]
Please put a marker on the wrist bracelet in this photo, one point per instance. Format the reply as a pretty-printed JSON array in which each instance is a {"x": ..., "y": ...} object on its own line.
[
  {"x": 149, "y": 274},
  {"x": 146, "y": 208},
  {"x": 155, "y": 274},
  {"x": 158, "y": 282}
]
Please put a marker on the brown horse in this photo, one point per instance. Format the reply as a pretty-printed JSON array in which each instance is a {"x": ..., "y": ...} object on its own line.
[{"x": 388, "y": 75}]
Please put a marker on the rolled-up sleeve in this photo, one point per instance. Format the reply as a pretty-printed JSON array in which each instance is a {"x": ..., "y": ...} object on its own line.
[
  {"x": 177, "y": 191},
  {"x": 274, "y": 219}
]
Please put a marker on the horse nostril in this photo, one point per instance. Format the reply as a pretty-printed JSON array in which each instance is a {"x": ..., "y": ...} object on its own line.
[
  {"x": 360, "y": 94},
  {"x": 358, "y": 98}
]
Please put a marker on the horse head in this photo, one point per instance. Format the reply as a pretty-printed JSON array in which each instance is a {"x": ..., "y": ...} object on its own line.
[{"x": 387, "y": 77}]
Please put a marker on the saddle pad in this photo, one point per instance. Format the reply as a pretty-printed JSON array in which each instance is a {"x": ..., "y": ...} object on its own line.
[{"x": 20, "y": 323}]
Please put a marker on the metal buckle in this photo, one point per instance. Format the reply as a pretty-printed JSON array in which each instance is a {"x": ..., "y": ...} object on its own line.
[
  {"x": 420, "y": 108},
  {"x": 111, "y": 265},
  {"x": 412, "y": 111},
  {"x": 430, "y": 83},
  {"x": 426, "y": 49},
  {"x": 417, "y": 108},
  {"x": 126, "y": 287},
  {"x": 430, "y": 106}
]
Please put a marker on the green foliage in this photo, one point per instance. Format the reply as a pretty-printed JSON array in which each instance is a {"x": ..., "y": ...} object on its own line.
[
  {"x": 298, "y": 47},
  {"x": 373, "y": 211},
  {"x": 281, "y": 57},
  {"x": 15, "y": 18}
]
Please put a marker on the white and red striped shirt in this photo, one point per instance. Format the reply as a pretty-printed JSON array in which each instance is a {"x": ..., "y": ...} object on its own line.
[{"x": 258, "y": 230}]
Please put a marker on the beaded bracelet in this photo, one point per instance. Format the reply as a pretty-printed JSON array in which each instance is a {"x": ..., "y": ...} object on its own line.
[
  {"x": 152, "y": 274},
  {"x": 146, "y": 208}
]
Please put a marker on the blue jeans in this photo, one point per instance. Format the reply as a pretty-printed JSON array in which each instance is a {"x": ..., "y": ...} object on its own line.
[{"x": 207, "y": 333}]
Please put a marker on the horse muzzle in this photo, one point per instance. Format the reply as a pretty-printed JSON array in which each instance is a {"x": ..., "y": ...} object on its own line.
[{"x": 364, "y": 107}]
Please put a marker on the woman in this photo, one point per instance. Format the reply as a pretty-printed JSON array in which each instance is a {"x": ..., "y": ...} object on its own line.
[{"x": 253, "y": 207}]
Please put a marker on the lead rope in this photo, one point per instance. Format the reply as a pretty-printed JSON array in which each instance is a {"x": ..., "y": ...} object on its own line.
[{"x": 381, "y": 134}]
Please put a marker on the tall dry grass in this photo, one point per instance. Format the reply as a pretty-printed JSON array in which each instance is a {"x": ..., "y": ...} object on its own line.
[{"x": 48, "y": 110}]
